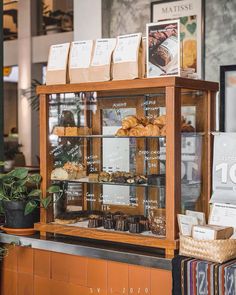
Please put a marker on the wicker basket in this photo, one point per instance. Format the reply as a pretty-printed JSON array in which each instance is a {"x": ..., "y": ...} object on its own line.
[{"x": 215, "y": 250}]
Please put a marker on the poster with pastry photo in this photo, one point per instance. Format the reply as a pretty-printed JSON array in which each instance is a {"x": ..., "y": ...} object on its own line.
[{"x": 163, "y": 49}]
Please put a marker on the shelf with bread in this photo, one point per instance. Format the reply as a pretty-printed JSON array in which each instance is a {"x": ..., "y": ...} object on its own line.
[{"x": 128, "y": 155}]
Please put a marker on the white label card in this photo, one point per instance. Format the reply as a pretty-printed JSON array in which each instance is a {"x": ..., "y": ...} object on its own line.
[
  {"x": 186, "y": 224},
  {"x": 223, "y": 215},
  {"x": 127, "y": 48},
  {"x": 58, "y": 57},
  {"x": 199, "y": 215},
  {"x": 102, "y": 52},
  {"x": 80, "y": 54}
]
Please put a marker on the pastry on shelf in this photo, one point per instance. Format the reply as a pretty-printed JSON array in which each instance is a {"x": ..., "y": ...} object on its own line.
[
  {"x": 160, "y": 121},
  {"x": 84, "y": 131},
  {"x": 187, "y": 128},
  {"x": 122, "y": 224},
  {"x": 71, "y": 131},
  {"x": 152, "y": 130},
  {"x": 75, "y": 170},
  {"x": 145, "y": 224},
  {"x": 138, "y": 130},
  {"x": 59, "y": 174},
  {"x": 144, "y": 121},
  {"x": 93, "y": 177},
  {"x": 95, "y": 221},
  {"x": 140, "y": 179},
  {"x": 158, "y": 225},
  {"x": 122, "y": 132},
  {"x": 135, "y": 227},
  {"x": 108, "y": 221},
  {"x": 68, "y": 217},
  {"x": 59, "y": 131},
  {"x": 104, "y": 176},
  {"x": 129, "y": 122}
]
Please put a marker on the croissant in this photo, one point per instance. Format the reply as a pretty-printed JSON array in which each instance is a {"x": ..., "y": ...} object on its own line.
[
  {"x": 163, "y": 131},
  {"x": 187, "y": 128},
  {"x": 129, "y": 122},
  {"x": 122, "y": 132},
  {"x": 152, "y": 130},
  {"x": 144, "y": 121},
  {"x": 139, "y": 130},
  {"x": 160, "y": 121}
]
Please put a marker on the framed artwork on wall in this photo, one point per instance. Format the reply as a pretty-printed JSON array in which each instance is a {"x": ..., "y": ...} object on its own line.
[
  {"x": 228, "y": 98},
  {"x": 191, "y": 14}
]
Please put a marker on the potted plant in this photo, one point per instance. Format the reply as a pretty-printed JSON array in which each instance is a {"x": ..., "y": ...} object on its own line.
[{"x": 20, "y": 195}]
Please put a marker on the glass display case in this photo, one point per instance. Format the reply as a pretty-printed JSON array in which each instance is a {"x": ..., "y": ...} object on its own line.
[{"x": 128, "y": 156}]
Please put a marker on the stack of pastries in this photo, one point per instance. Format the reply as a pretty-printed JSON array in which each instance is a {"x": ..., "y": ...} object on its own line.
[{"x": 134, "y": 126}]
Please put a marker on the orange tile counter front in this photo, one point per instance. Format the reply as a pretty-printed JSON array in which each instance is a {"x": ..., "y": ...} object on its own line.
[{"x": 28, "y": 271}]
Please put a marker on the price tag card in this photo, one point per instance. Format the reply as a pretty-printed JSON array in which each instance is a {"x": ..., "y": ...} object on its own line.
[{"x": 224, "y": 168}]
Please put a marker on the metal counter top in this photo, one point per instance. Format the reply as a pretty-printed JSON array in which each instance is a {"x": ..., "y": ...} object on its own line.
[{"x": 76, "y": 246}]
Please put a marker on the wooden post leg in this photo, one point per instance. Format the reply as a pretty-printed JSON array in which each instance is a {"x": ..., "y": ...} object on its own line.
[
  {"x": 173, "y": 161},
  {"x": 169, "y": 253}
]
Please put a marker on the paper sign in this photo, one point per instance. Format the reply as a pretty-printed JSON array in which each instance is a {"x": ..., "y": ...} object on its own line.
[
  {"x": 102, "y": 52},
  {"x": 80, "y": 54},
  {"x": 127, "y": 48},
  {"x": 58, "y": 57},
  {"x": 224, "y": 168},
  {"x": 199, "y": 215},
  {"x": 223, "y": 215}
]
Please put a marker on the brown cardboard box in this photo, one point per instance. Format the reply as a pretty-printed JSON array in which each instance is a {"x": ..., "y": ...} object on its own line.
[
  {"x": 57, "y": 72},
  {"x": 211, "y": 232},
  {"x": 100, "y": 68},
  {"x": 128, "y": 61},
  {"x": 79, "y": 61}
]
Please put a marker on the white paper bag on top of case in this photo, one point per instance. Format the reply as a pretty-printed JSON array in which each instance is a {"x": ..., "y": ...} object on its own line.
[
  {"x": 57, "y": 68},
  {"x": 100, "y": 68},
  {"x": 128, "y": 57},
  {"x": 79, "y": 61}
]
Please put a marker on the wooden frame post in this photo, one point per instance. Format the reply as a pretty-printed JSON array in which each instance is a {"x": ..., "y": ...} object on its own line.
[{"x": 173, "y": 162}]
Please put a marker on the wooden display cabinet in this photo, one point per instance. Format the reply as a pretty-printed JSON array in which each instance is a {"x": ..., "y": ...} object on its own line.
[{"x": 172, "y": 96}]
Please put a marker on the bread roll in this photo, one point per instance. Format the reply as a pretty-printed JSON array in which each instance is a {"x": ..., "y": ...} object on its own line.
[
  {"x": 122, "y": 132},
  {"x": 129, "y": 122}
]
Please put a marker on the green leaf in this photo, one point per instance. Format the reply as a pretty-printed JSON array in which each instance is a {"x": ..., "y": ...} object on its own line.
[
  {"x": 184, "y": 20},
  {"x": 46, "y": 202},
  {"x": 20, "y": 173},
  {"x": 35, "y": 193},
  {"x": 192, "y": 28},
  {"x": 53, "y": 189},
  {"x": 35, "y": 178},
  {"x": 30, "y": 206}
]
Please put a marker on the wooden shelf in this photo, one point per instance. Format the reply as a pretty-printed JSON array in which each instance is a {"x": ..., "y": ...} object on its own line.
[
  {"x": 129, "y": 84},
  {"x": 135, "y": 239}
]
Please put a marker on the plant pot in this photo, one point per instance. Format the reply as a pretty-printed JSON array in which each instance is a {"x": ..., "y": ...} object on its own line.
[
  {"x": 15, "y": 217},
  {"x": 9, "y": 165}
]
